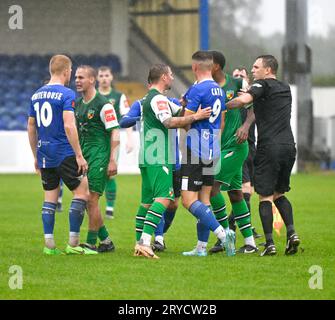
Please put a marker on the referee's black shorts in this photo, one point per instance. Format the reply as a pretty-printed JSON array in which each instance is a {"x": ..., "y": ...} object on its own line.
[{"x": 273, "y": 166}]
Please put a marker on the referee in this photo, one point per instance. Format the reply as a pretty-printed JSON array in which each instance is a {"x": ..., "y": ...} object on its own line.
[{"x": 276, "y": 153}]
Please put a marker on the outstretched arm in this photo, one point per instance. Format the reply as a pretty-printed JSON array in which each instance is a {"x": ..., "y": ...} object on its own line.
[{"x": 241, "y": 101}]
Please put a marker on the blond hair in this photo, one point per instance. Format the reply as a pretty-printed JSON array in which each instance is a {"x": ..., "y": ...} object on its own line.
[{"x": 58, "y": 64}]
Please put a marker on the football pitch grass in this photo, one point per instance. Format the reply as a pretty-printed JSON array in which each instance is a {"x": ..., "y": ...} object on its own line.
[{"x": 120, "y": 275}]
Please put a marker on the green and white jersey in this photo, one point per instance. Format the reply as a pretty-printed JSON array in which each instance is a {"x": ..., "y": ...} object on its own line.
[
  {"x": 233, "y": 119},
  {"x": 156, "y": 143},
  {"x": 95, "y": 120},
  {"x": 119, "y": 102}
]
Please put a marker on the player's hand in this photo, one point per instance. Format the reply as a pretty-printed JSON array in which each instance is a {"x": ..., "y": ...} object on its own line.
[
  {"x": 112, "y": 169},
  {"x": 242, "y": 134},
  {"x": 183, "y": 101},
  {"x": 202, "y": 114},
  {"x": 82, "y": 165},
  {"x": 37, "y": 169},
  {"x": 242, "y": 92}
]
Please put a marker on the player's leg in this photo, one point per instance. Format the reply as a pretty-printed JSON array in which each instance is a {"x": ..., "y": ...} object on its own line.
[
  {"x": 110, "y": 193},
  {"x": 97, "y": 183},
  {"x": 192, "y": 179},
  {"x": 50, "y": 180},
  {"x": 243, "y": 220},
  {"x": 161, "y": 181},
  {"x": 146, "y": 201},
  {"x": 78, "y": 185},
  {"x": 287, "y": 159},
  {"x": 247, "y": 181},
  {"x": 169, "y": 214},
  {"x": 60, "y": 197}
]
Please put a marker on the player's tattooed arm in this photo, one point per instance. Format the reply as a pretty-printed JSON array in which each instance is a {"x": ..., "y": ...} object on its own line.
[
  {"x": 240, "y": 101},
  {"x": 181, "y": 122}
]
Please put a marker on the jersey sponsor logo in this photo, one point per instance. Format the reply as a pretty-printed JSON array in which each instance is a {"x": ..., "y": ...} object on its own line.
[
  {"x": 230, "y": 94},
  {"x": 90, "y": 114},
  {"x": 110, "y": 115},
  {"x": 162, "y": 105}
]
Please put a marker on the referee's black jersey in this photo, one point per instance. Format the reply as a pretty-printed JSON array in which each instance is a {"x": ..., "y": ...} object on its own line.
[{"x": 272, "y": 107}]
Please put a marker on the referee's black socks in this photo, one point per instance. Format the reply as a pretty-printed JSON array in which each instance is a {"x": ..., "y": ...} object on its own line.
[
  {"x": 265, "y": 212},
  {"x": 285, "y": 209}
]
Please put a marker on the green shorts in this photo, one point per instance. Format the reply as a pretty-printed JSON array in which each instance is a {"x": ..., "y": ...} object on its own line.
[
  {"x": 157, "y": 182},
  {"x": 97, "y": 172},
  {"x": 231, "y": 162}
]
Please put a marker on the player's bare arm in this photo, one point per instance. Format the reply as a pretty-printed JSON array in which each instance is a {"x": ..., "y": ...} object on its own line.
[
  {"x": 181, "y": 122},
  {"x": 243, "y": 132},
  {"x": 115, "y": 142},
  {"x": 72, "y": 135},
  {"x": 32, "y": 135},
  {"x": 223, "y": 122},
  {"x": 241, "y": 101}
]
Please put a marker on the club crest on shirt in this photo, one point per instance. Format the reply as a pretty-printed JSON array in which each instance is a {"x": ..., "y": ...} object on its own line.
[
  {"x": 230, "y": 94},
  {"x": 90, "y": 114},
  {"x": 112, "y": 101}
]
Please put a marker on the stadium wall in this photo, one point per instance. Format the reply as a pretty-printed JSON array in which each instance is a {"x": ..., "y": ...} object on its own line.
[
  {"x": 62, "y": 26},
  {"x": 18, "y": 157}
]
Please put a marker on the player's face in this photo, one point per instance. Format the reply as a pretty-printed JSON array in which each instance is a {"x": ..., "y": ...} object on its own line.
[
  {"x": 105, "y": 79},
  {"x": 82, "y": 80},
  {"x": 258, "y": 70},
  {"x": 240, "y": 74},
  {"x": 168, "y": 78}
]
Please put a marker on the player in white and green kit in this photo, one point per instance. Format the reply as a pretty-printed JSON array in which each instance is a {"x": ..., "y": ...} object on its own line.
[
  {"x": 99, "y": 139},
  {"x": 157, "y": 155},
  {"x": 121, "y": 107},
  {"x": 233, "y": 154}
]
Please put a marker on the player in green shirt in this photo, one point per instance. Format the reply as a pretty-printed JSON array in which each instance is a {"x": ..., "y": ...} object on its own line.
[
  {"x": 234, "y": 151},
  {"x": 121, "y": 107},
  {"x": 157, "y": 155},
  {"x": 99, "y": 139}
]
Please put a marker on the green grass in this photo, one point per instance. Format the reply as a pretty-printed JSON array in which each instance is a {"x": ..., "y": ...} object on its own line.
[{"x": 119, "y": 275}]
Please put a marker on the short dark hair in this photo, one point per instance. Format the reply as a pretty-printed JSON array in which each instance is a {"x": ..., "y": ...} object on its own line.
[
  {"x": 156, "y": 71},
  {"x": 219, "y": 58},
  {"x": 105, "y": 68},
  {"x": 242, "y": 68},
  {"x": 269, "y": 61},
  {"x": 92, "y": 72},
  {"x": 204, "y": 59},
  {"x": 202, "y": 55}
]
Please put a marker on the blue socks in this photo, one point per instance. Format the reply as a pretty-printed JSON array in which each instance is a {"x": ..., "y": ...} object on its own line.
[
  {"x": 168, "y": 217},
  {"x": 204, "y": 215},
  {"x": 165, "y": 223},
  {"x": 48, "y": 217},
  {"x": 202, "y": 232},
  {"x": 160, "y": 227},
  {"x": 76, "y": 215}
]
